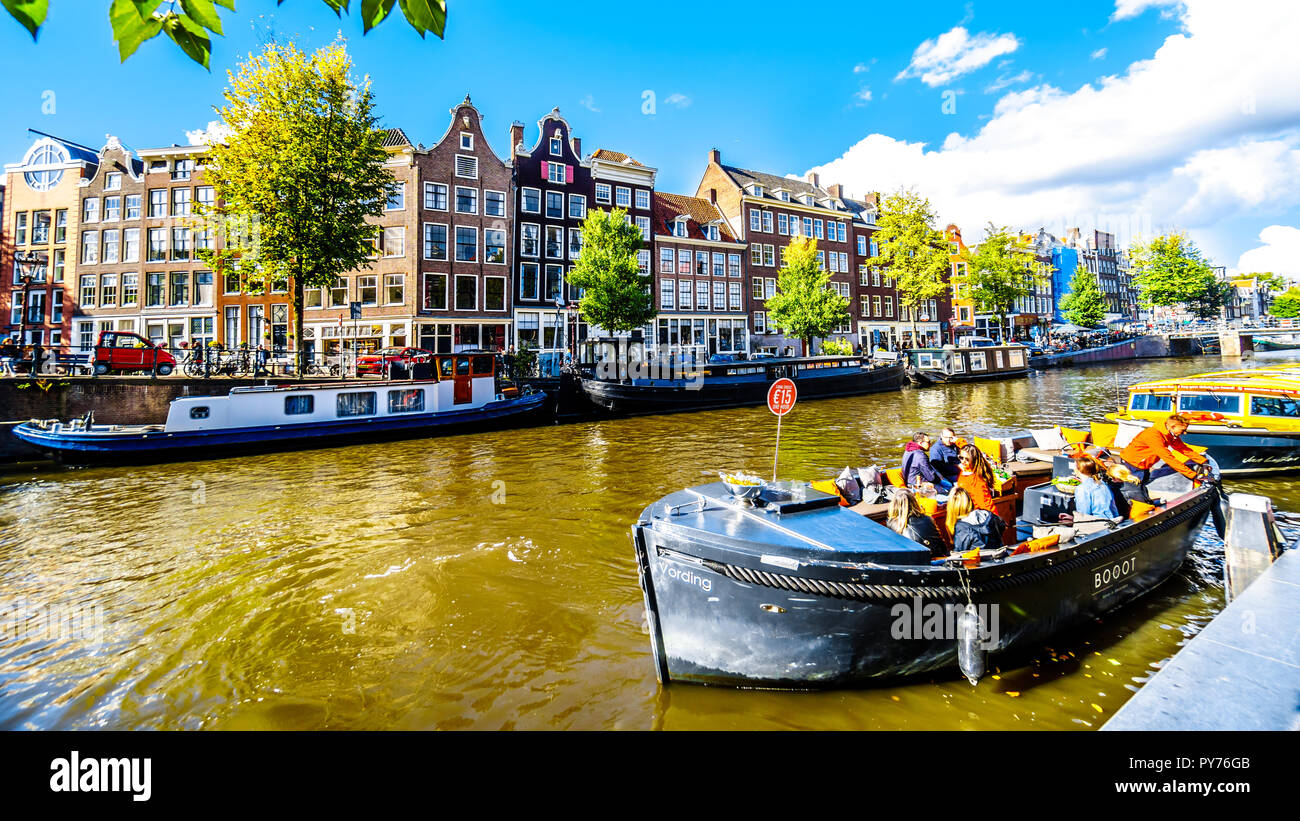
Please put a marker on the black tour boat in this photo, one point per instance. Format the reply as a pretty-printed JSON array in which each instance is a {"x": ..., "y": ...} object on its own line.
[
  {"x": 735, "y": 384},
  {"x": 792, "y": 590}
]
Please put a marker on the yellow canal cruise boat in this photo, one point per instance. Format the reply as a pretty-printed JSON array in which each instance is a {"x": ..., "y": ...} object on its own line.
[{"x": 1248, "y": 419}]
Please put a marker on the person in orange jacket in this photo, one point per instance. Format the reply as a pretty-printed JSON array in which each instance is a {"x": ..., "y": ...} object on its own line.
[
  {"x": 1158, "y": 444},
  {"x": 976, "y": 477}
]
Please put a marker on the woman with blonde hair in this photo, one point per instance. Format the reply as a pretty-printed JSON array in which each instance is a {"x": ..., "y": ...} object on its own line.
[
  {"x": 907, "y": 519},
  {"x": 972, "y": 528}
]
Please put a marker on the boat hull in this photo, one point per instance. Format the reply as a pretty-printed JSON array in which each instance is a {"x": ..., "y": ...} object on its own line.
[
  {"x": 924, "y": 377},
  {"x": 631, "y": 398},
  {"x": 715, "y": 623},
  {"x": 72, "y": 447}
]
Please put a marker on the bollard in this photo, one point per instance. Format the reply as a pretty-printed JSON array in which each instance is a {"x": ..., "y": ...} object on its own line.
[{"x": 1251, "y": 543}]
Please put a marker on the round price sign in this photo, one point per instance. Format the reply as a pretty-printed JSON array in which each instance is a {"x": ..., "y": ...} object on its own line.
[{"x": 781, "y": 397}]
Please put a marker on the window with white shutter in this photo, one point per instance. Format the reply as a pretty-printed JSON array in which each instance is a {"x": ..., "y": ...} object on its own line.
[{"x": 467, "y": 167}]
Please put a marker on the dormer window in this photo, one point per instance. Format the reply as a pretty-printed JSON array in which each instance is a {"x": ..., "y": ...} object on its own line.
[
  {"x": 785, "y": 196},
  {"x": 679, "y": 227},
  {"x": 713, "y": 233},
  {"x": 807, "y": 199},
  {"x": 557, "y": 146}
]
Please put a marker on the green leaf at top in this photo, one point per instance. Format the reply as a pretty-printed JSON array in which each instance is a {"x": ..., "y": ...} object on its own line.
[
  {"x": 29, "y": 13},
  {"x": 204, "y": 13},
  {"x": 133, "y": 23},
  {"x": 191, "y": 37},
  {"x": 426, "y": 15},
  {"x": 373, "y": 12}
]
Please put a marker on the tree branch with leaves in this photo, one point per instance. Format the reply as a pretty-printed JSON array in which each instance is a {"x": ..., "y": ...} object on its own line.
[
  {"x": 190, "y": 23},
  {"x": 1001, "y": 272},
  {"x": 616, "y": 294}
]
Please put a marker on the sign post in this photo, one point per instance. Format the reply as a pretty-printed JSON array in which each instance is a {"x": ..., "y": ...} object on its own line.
[{"x": 781, "y": 397}]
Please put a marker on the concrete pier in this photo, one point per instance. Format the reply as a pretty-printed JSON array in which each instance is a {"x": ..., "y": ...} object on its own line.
[{"x": 1242, "y": 672}]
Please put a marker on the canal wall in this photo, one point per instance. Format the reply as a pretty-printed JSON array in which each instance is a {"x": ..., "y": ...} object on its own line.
[{"x": 1242, "y": 672}]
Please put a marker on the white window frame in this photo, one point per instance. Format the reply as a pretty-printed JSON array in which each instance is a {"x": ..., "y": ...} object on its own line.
[
  {"x": 505, "y": 208},
  {"x": 468, "y": 159},
  {"x": 446, "y": 198},
  {"x": 642, "y": 199},
  {"x": 505, "y": 294},
  {"x": 581, "y": 201},
  {"x": 461, "y": 188},
  {"x": 523, "y": 198},
  {"x": 446, "y": 242},
  {"x": 465, "y": 137},
  {"x": 609, "y": 193}
]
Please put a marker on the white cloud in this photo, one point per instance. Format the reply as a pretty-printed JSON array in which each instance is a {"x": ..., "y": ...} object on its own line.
[
  {"x": 589, "y": 103},
  {"x": 216, "y": 130},
  {"x": 1005, "y": 81},
  {"x": 679, "y": 100},
  {"x": 1099, "y": 53},
  {"x": 954, "y": 53},
  {"x": 863, "y": 67},
  {"x": 1125, "y": 9},
  {"x": 1280, "y": 252},
  {"x": 863, "y": 96},
  {"x": 1173, "y": 141}
]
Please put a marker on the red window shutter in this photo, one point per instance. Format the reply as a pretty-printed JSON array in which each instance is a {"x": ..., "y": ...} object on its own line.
[
  {"x": 568, "y": 173},
  {"x": 545, "y": 173}
]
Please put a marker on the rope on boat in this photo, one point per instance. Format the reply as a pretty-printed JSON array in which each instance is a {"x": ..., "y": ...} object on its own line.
[{"x": 854, "y": 590}]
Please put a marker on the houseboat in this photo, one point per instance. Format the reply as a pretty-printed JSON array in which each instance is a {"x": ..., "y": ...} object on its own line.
[
  {"x": 930, "y": 366},
  {"x": 784, "y": 587},
  {"x": 464, "y": 395},
  {"x": 732, "y": 384},
  {"x": 1276, "y": 343},
  {"x": 1248, "y": 419}
]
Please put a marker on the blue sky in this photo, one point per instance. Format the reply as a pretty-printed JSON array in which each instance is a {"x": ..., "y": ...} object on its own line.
[{"x": 773, "y": 90}]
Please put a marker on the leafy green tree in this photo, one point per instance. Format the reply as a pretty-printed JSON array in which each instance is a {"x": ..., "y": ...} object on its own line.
[
  {"x": 135, "y": 21},
  {"x": 911, "y": 250},
  {"x": 1001, "y": 272},
  {"x": 837, "y": 347},
  {"x": 1209, "y": 303},
  {"x": 1169, "y": 270},
  {"x": 805, "y": 306},
  {"x": 301, "y": 170},
  {"x": 1286, "y": 305},
  {"x": 617, "y": 295},
  {"x": 1084, "y": 305}
]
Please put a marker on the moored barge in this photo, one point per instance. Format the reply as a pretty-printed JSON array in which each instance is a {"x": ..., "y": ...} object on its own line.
[
  {"x": 462, "y": 396},
  {"x": 930, "y": 366},
  {"x": 735, "y": 384}
]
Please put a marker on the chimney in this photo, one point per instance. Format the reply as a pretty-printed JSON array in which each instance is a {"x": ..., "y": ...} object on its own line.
[
  {"x": 814, "y": 180},
  {"x": 516, "y": 135},
  {"x": 835, "y": 190},
  {"x": 577, "y": 147},
  {"x": 715, "y": 157},
  {"x": 713, "y": 192}
]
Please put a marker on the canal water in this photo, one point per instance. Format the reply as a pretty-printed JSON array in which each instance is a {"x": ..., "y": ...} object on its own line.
[{"x": 487, "y": 581}]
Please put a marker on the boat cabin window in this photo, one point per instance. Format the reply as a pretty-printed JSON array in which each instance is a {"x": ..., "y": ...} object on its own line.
[
  {"x": 1214, "y": 403},
  {"x": 958, "y": 362},
  {"x": 1017, "y": 358},
  {"x": 299, "y": 404},
  {"x": 406, "y": 401},
  {"x": 446, "y": 367},
  {"x": 356, "y": 404},
  {"x": 924, "y": 360},
  {"x": 201, "y": 412},
  {"x": 1283, "y": 406},
  {"x": 462, "y": 366},
  {"x": 977, "y": 361},
  {"x": 482, "y": 366},
  {"x": 1151, "y": 402},
  {"x": 998, "y": 358}
]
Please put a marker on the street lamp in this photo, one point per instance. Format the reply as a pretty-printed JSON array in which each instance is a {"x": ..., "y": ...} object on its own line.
[{"x": 27, "y": 262}]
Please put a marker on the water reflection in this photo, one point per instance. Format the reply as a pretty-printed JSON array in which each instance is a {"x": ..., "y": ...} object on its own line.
[{"x": 488, "y": 582}]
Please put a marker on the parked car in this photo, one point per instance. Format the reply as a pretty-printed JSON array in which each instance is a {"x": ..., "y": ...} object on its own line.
[
  {"x": 122, "y": 351},
  {"x": 398, "y": 360}
]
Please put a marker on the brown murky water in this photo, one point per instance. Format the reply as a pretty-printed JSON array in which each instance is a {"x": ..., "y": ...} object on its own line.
[{"x": 487, "y": 581}]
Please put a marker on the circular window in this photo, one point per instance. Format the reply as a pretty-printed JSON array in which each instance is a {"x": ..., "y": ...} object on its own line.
[{"x": 44, "y": 161}]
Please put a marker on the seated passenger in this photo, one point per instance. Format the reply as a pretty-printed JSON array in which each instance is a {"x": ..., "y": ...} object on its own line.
[
  {"x": 976, "y": 478},
  {"x": 917, "y": 469},
  {"x": 907, "y": 519},
  {"x": 944, "y": 455},
  {"x": 971, "y": 528},
  {"x": 1092, "y": 497}
]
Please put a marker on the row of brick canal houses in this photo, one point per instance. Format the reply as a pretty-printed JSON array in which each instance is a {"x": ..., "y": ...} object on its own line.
[{"x": 472, "y": 251}]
